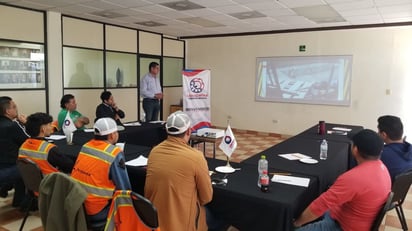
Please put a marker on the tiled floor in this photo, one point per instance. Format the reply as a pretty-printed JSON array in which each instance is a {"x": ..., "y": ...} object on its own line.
[{"x": 249, "y": 143}]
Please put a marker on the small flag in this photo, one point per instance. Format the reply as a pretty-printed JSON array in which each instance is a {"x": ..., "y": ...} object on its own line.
[
  {"x": 68, "y": 124},
  {"x": 228, "y": 144}
]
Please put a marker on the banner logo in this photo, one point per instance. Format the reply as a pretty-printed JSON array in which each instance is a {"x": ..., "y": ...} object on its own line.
[{"x": 196, "y": 85}]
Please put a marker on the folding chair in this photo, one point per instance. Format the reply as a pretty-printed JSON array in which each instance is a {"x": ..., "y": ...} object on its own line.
[
  {"x": 32, "y": 176},
  {"x": 146, "y": 210},
  {"x": 382, "y": 212},
  {"x": 400, "y": 188}
]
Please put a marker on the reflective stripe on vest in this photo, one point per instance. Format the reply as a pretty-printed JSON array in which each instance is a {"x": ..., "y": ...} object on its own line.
[
  {"x": 38, "y": 150},
  {"x": 121, "y": 198},
  {"x": 92, "y": 170}
]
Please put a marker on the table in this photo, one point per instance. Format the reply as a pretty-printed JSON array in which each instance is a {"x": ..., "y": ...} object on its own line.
[
  {"x": 147, "y": 134},
  {"x": 194, "y": 139},
  {"x": 243, "y": 205},
  {"x": 326, "y": 171},
  {"x": 312, "y": 133}
]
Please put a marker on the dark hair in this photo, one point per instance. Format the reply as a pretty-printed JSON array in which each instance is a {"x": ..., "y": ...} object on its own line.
[
  {"x": 65, "y": 99},
  {"x": 105, "y": 95},
  {"x": 35, "y": 121},
  {"x": 368, "y": 142},
  {"x": 152, "y": 65},
  {"x": 4, "y": 104},
  {"x": 392, "y": 126}
]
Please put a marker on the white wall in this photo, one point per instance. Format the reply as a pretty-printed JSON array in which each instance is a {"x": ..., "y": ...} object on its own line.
[{"x": 381, "y": 76}]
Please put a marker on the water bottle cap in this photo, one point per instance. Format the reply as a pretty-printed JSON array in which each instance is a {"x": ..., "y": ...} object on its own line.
[
  {"x": 265, "y": 171},
  {"x": 262, "y": 157}
]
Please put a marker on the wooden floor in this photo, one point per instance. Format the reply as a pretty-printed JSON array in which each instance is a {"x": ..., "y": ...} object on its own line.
[{"x": 249, "y": 143}]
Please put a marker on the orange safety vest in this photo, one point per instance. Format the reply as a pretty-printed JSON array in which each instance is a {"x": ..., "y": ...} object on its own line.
[
  {"x": 92, "y": 169},
  {"x": 38, "y": 150},
  {"x": 122, "y": 215}
]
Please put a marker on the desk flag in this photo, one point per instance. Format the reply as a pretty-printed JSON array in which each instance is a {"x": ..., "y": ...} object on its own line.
[
  {"x": 228, "y": 144},
  {"x": 68, "y": 124}
]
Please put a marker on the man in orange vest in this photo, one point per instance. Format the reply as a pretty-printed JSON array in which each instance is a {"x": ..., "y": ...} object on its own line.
[
  {"x": 46, "y": 155},
  {"x": 100, "y": 169}
]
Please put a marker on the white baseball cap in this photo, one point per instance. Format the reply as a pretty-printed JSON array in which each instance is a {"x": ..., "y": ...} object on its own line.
[
  {"x": 177, "y": 123},
  {"x": 105, "y": 126}
]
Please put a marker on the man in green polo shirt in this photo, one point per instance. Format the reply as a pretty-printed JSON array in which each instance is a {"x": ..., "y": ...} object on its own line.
[{"x": 68, "y": 105}]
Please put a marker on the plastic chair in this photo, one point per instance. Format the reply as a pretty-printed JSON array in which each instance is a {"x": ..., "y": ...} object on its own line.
[
  {"x": 382, "y": 212},
  {"x": 146, "y": 210},
  {"x": 32, "y": 176},
  {"x": 400, "y": 188}
]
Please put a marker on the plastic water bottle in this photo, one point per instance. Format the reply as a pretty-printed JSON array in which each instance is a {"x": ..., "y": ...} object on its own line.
[
  {"x": 262, "y": 166},
  {"x": 323, "y": 150},
  {"x": 264, "y": 181}
]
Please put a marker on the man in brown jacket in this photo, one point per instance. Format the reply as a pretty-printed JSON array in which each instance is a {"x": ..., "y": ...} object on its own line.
[{"x": 177, "y": 180}]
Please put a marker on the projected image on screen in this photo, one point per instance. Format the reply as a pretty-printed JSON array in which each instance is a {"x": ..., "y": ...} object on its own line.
[{"x": 305, "y": 79}]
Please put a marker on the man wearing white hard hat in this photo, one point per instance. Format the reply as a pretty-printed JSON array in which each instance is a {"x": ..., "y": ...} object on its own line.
[
  {"x": 177, "y": 179},
  {"x": 100, "y": 169}
]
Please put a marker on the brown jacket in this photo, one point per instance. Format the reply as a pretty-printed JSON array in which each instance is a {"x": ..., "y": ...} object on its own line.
[{"x": 178, "y": 184}]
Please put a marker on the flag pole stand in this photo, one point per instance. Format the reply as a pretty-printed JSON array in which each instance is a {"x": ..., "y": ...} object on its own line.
[{"x": 228, "y": 163}]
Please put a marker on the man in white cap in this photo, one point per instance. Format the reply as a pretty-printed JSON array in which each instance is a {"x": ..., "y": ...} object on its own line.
[
  {"x": 177, "y": 180},
  {"x": 100, "y": 169}
]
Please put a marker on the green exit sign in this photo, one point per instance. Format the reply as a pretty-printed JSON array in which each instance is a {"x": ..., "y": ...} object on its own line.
[{"x": 302, "y": 48}]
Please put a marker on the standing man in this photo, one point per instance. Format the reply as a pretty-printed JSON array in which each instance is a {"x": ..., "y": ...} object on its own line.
[
  {"x": 12, "y": 135},
  {"x": 108, "y": 108},
  {"x": 46, "y": 155},
  {"x": 357, "y": 195},
  {"x": 100, "y": 168},
  {"x": 69, "y": 106},
  {"x": 397, "y": 153},
  {"x": 177, "y": 179},
  {"x": 151, "y": 92}
]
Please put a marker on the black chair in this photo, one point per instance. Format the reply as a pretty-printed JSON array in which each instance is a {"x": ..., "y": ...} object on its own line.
[
  {"x": 382, "y": 212},
  {"x": 32, "y": 176},
  {"x": 145, "y": 210},
  {"x": 400, "y": 188}
]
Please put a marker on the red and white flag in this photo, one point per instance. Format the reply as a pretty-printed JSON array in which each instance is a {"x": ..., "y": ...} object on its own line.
[{"x": 228, "y": 144}]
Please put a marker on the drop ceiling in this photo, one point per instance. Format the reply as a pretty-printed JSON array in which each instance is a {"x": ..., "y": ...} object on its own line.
[{"x": 217, "y": 17}]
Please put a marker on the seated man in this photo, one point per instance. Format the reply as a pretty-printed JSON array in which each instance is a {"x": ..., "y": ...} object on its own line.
[
  {"x": 68, "y": 116},
  {"x": 36, "y": 148},
  {"x": 397, "y": 153},
  {"x": 12, "y": 135},
  {"x": 108, "y": 108},
  {"x": 177, "y": 179},
  {"x": 357, "y": 195},
  {"x": 100, "y": 169}
]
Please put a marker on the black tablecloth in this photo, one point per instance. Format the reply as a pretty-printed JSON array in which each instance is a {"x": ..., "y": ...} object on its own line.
[
  {"x": 243, "y": 205},
  {"x": 147, "y": 134},
  {"x": 312, "y": 133},
  {"x": 326, "y": 171}
]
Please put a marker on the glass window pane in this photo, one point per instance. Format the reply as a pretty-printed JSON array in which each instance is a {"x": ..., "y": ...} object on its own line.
[
  {"x": 21, "y": 65},
  {"x": 83, "y": 68},
  {"x": 172, "y": 71},
  {"x": 121, "y": 70}
]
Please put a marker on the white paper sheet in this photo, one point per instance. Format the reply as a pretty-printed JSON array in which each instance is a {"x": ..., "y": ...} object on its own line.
[
  {"x": 139, "y": 161},
  {"x": 292, "y": 180},
  {"x": 56, "y": 137},
  {"x": 294, "y": 156},
  {"x": 132, "y": 124},
  {"x": 157, "y": 122}
]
